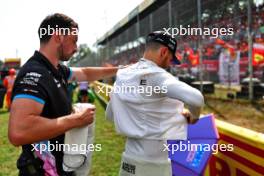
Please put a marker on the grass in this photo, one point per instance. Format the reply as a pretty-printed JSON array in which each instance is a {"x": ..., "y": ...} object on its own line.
[
  {"x": 104, "y": 163},
  {"x": 240, "y": 113},
  {"x": 107, "y": 161},
  {"x": 8, "y": 153}
]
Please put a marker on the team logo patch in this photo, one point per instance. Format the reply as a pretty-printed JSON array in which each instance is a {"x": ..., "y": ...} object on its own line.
[{"x": 143, "y": 82}]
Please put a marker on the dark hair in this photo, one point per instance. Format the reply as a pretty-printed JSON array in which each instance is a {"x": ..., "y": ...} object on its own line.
[{"x": 55, "y": 21}]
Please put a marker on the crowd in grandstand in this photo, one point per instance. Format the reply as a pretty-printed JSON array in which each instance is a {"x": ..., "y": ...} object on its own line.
[{"x": 212, "y": 47}]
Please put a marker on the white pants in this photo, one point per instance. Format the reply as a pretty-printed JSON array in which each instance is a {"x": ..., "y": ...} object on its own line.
[{"x": 145, "y": 158}]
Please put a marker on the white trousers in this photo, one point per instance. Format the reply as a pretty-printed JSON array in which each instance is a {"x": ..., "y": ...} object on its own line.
[{"x": 145, "y": 158}]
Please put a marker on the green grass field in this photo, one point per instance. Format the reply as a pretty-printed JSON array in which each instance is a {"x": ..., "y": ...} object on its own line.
[
  {"x": 104, "y": 163},
  {"x": 8, "y": 153}
]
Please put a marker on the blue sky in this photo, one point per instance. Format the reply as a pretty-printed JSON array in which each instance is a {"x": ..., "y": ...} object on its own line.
[{"x": 20, "y": 19}]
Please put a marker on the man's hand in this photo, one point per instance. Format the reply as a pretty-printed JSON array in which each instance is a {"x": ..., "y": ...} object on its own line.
[
  {"x": 187, "y": 114},
  {"x": 84, "y": 117}
]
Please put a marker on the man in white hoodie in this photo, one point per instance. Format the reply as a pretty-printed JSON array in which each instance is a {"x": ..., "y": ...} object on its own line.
[{"x": 147, "y": 106}]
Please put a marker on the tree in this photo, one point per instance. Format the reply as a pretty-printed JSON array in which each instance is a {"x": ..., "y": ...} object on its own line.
[{"x": 83, "y": 57}]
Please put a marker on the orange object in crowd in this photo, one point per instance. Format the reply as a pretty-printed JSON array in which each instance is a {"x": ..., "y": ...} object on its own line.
[{"x": 9, "y": 83}]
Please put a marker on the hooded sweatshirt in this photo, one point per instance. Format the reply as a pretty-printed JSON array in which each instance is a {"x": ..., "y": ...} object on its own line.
[{"x": 146, "y": 102}]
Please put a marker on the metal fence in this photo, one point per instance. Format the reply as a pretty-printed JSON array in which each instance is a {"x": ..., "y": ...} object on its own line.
[{"x": 245, "y": 17}]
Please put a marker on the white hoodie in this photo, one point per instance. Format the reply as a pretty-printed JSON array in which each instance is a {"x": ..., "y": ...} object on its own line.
[{"x": 155, "y": 112}]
